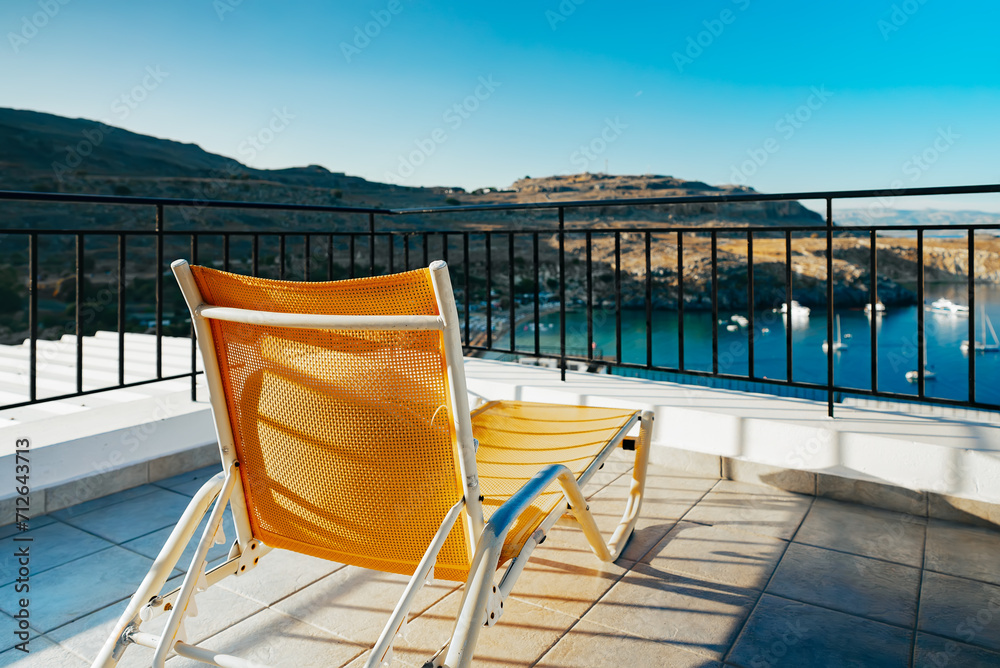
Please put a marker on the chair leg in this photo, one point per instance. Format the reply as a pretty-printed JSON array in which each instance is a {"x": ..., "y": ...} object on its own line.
[
  {"x": 196, "y": 572},
  {"x": 636, "y": 490},
  {"x": 151, "y": 585}
]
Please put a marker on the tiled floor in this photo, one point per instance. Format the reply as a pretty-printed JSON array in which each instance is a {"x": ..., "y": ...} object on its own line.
[{"x": 718, "y": 573}]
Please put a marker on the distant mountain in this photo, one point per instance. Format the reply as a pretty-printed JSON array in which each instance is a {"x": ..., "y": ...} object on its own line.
[
  {"x": 47, "y": 153},
  {"x": 852, "y": 217}
]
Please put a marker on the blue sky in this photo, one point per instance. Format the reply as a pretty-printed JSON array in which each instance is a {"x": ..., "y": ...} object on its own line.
[{"x": 780, "y": 96}]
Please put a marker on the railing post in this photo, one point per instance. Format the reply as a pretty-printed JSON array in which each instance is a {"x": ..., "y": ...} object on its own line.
[
  {"x": 873, "y": 292},
  {"x": 618, "y": 297},
  {"x": 921, "y": 358},
  {"x": 972, "y": 316},
  {"x": 562, "y": 293},
  {"x": 465, "y": 283},
  {"x": 489, "y": 289},
  {"x": 534, "y": 256},
  {"x": 680, "y": 301},
  {"x": 829, "y": 307},
  {"x": 307, "y": 252},
  {"x": 371, "y": 244},
  {"x": 159, "y": 291},
  {"x": 649, "y": 303},
  {"x": 33, "y": 317},
  {"x": 750, "y": 306},
  {"x": 510, "y": 290},
  {"x": 281, "y": 256},
  {"x": 590, "y": 297},
  {"x": 121, "y": 309},
  {"x": 715, "y": 302},
  {"x": 788, "y": 306},
  {"x": 79, "y": 312},
  {"x": 194, "y": 340}
]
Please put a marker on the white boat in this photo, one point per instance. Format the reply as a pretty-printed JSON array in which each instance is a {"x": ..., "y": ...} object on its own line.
[
  {"x": 798, "y": 310},
  {"x": 733, "y": 327},
  {"x": 914, "y": 376},
  {"x": 982, "y": 346},
  {"x": 879, "y": 308},
  {"x": 839, "y": 344},
  {"x": 740, "y": 320},
  {"x": 947, "y": 307}
]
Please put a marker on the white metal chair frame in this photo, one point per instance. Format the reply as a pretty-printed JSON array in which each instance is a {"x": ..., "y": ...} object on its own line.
[{"x": 482, "y": 598}]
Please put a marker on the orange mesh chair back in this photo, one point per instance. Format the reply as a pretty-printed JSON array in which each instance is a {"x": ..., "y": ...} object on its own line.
[{"x": 345, "y": 439}]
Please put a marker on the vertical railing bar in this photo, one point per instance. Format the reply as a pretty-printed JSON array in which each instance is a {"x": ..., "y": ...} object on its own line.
[
  {"x": 590, "y": 295},
  {"x": 921, "y": 361},
  {"x": 225, "y": 252},
  {"x": 121, "y": 309},
  {"x": 406, "y": 251},
  {"x": 352, "y": 250},
  {"x": 751, "y": 334},
  {"x": 307, "y": 252},
  {"x": 255, "y": 253},
  {"x": 873, "y": 292},
  {"x": 79, "y": 313},
  {"x": 489, "y": 287},
  {"x": 427, "y": 255},
  {"x": 829, "y": 307},
  {"x": 788, "y": 306},
  {"x": 194, "y": 340},
  {"x": 618, "y": 297},
  {"x": 445, "y": 238},
  {"x": 562, "y": 293},
  {"x": 329, "y": 257},
  {"x": 159, "y": 290},
  {"x": 649, "y": 303},
  {"x": 371, "y": 244},
  {"x": 392, "y": 252},
  {"x": 715, "y": 302},
  {"x": 510, "y": 290},
  {"x": 537, "y": 314},
  {"x": 680, "y": 300},
  {"x": 33, "y": 317},
  {"x": 281, "y": 256},
  {"x": 465, "y": 294},
  {"x": 972, "y": 316}
]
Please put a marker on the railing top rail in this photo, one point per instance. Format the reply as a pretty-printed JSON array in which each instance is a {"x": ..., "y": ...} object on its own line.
[
  {"x": 504, "y": 206},
  {"x": 838, "y": 230}
]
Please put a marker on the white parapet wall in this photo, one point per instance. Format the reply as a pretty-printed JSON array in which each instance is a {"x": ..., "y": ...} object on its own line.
[
  {"x": 91, "y": 445},
  {"x": 902, "y": 457}
]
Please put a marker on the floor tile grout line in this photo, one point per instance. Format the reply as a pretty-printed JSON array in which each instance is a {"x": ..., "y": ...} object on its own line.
[
  {"x": 920, "y": 591},
  {"x": 855, "y": 554},
  {"x": 785, "y": 597},
  {"x": 124, "y": 598},
  {"x": 760, "y": 595},
  {"x": 675, "y": 523},
  {"x": 53, "y": 515},
  {"x": 579, "y": 619},
  {"x": 65, "y": 563},
  {"x": 268, "y": 606},
  {"x": 981, "y": 648}
]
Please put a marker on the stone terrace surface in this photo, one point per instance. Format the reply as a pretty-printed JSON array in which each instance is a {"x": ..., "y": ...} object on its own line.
[{"x": 718, "y": 573}]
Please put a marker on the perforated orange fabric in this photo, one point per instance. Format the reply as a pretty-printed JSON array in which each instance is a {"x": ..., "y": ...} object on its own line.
[
  {"x": 517, "y": 439},
  {"x": 345, "y": 438}
]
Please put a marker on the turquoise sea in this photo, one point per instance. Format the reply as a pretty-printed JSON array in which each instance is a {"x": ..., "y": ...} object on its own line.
[{"x": 897, "y": 343}]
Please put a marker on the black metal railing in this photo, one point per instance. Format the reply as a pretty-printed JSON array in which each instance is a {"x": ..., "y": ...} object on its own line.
[{"x": 373, "y": 245}]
